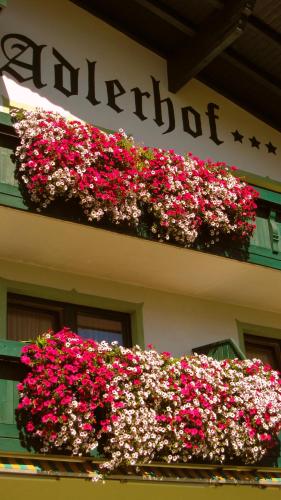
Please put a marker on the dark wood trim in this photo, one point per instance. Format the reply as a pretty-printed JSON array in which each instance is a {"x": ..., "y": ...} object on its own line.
[
  {"x": 240, "y": 62},
  {"x": 105, "y": 15},
  {"x": 67, "y": 313},
  {"x": 255, "y": 22},
  {"x": 12, "y": 369},
  {"x": 213, "y": 37},
  {"x": 273, "y": 343},
  {"x": 218, "y": 4},
  {"x": 8, "y": 136},
  {"x": 167, "y": 14},
  {"x": 265, "y": 29},
  {"x": 124, "y": 319},
  {"x": 8, "y": 131}
]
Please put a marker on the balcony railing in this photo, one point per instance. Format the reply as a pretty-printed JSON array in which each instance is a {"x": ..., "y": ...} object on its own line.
[
  {"x": 265, "y": 245},
  {"x": 12, "y": 371}
]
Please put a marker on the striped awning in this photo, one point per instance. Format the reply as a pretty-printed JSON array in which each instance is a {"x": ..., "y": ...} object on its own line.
[{"x": 192, "y": 474}]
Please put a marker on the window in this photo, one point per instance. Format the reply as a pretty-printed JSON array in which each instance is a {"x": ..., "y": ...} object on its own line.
[
  {"x": 264, "y": 348},
  {"x": 8, "y": 142},
  {"x": 29, "y": 317},
  {"x": 265, "y": 245}
]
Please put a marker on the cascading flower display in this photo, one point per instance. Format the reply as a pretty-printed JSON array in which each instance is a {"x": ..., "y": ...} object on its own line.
[
  {"x": 137, "y": 405},
  {"x": 63, "y": 392},
  {"x": 75, "y": 160},
  {"x": 185, "y": 199},
  {"x": 221, "y": 410}
]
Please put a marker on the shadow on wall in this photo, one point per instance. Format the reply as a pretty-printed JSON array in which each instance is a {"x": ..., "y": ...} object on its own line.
[{"x": 48, "y": 79}]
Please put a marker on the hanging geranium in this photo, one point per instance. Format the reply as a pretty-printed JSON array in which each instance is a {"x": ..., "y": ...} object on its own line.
[
  {"x": 221, "y": 410},
  {"x": 179, "y": 198},
  {"x": 142, "y": 406},
  {"x": 69, "y": 159},
  {"x": 63, "y": 392},
  {"x": 186, "y": 195}
]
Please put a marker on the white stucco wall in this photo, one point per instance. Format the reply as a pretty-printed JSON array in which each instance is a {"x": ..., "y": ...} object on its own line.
[
  {"x": 171, "y": 322},
  {"x": 78, "y": 36}
]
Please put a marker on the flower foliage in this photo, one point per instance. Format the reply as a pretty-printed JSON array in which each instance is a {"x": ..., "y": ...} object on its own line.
[
  {"x": 113, "y": 178},
  {"x": 138, "y": 405}
]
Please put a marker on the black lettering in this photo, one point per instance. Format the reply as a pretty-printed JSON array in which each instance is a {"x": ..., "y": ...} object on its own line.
[
  {"x": 20, "y": 44},
  {"x": 196, "y": 130},
  {"x": 59, "y": 73},
  {"x": 111, "y": 95},
  {"x": 212, "y": 122},
  {"x": 92, "y": 83},
  {"x": 158, "y": 108},
  {"x": 138, "y": 102}
]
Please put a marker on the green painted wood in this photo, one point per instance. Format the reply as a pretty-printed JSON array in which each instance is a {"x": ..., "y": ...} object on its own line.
[
  {"x": 10, "y": 348},
  {"x": 274, "y": 231},
  {"x": 9, "y": 433},
  {"x": 11, "y": 444},
  {"x": 258, "y": 181},
  {"x": 261, "y": 237},
  {"x": 268, "y": 195},
  {"x": 262, "y": 260},
  {"x": 5, "y": 118},
  {"x": 224, "y": 349},
  {"x": 265, "y": 244},
  {"x": 10, "y": 352},
  {"x": 7, "y": 167},
  {"x": 9, "y": 200},
  {"x": 9, "y": 191},
  {"x": 7, "y": 401}
]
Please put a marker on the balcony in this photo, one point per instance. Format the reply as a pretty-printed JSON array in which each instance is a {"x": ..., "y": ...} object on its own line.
[
  {"x": 231, "y": 275},
  {"x": 18, "y": 458}
]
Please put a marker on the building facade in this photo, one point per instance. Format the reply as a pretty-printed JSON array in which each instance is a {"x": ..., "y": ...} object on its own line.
[{"x": 55, "y": 270}]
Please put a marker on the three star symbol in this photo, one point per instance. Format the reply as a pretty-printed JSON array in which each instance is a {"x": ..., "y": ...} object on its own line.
[{"x": 255, "y": 143}]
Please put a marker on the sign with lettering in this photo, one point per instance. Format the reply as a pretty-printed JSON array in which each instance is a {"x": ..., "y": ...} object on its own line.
[{"x": 101, "y": 76}]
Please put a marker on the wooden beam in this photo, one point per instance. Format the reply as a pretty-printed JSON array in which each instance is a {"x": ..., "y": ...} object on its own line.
[
  {"x": 257, "y": 23},
  {"x": 168, "y": 15},
  {"x": 213, "y": 37},
  {"x": 265, "y": 29},
  {"x": 270, "y": 82}
]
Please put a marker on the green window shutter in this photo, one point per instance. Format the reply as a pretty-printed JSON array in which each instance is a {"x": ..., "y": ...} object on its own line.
[
  {"x": 223, "y": 349},
  {"x": 7, "y": 167},
  {"x": 9, "y": 434},
  {"x": 9, "y": 191},
  {"x": 265, "y": 244},
  {"x": 11, "y": 372}
]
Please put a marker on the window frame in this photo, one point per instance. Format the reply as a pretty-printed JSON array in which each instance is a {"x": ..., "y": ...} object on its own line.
[
  {"x": 67, "y": 313},
  {"x": 9, "y": 348},
  {"x": 80, "y": 300},
  {"x": 263, "y": 332}
]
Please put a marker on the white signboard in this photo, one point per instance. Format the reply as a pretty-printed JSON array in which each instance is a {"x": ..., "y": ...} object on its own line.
[{"x": 55, "y": 55}]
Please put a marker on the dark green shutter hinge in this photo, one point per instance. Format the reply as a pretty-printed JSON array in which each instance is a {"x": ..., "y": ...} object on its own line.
[{"x": 274, "y": 231}]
